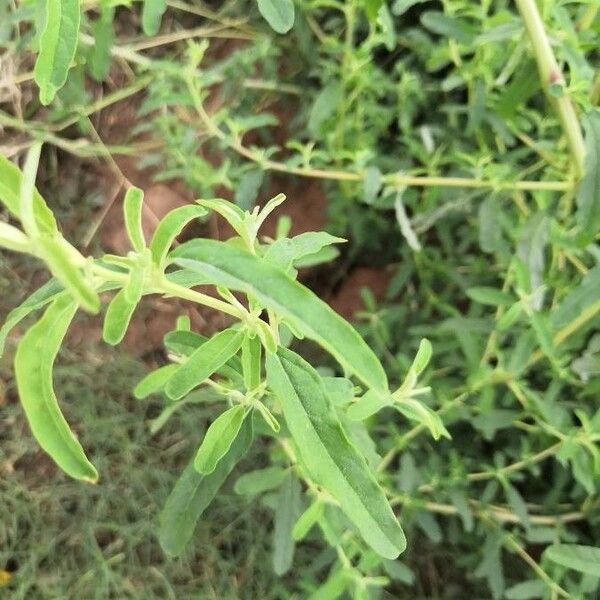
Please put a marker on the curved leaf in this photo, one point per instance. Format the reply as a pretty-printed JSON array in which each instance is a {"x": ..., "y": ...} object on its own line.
[
  {"x": 33, "y": 369},
  {"x": 585, "y": 559},
  {"x": 244, "y": 272},
  {"x": 154, "y": 381},
  {"x": 193, "y": 492},
  {"x": 169, "y": 228},
  {"x": 279, "y": 14},
  {"x": 329, "y": 456},
  {"x": 132, "y": 212},
  {"x": 58, "y": 43}
]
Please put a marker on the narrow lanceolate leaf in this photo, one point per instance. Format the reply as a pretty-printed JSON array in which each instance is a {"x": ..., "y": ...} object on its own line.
[
  {"x": 203, "y": 362},
  {"x": 37, "y": 300},
  {"x": 132, "y": 210},
  {"x": 33, "y": 369},
  {"x": 329, "y": 456},
  {"x": 585, "y": 559},
  {"x": 58, "y": 43},
  {"x": 279, "y": 14},
  {"x": 154, "y": 382},
  {"x": 11, "y": 181},
  {"x": 588, "y": 194},
  {"x": 262, "y": 480},
  {"x": 169, "y": 228},
  {"x": 218, "y": 439},
  {"x": 152, "y": 15},
  {"x": 286, "y": 514},
  {"x": 118, "y": 316},
  {"x": 251, "y": 355},
  {"x": 271, "y": 287},
  {"x": 193, "y": 492}
]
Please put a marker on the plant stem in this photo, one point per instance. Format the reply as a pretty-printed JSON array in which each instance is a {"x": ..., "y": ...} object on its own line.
[{"x": 550, "y": 74}]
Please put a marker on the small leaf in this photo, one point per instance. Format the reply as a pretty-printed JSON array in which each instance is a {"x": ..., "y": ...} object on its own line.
[
  {"x": 99, "y": 59},
  {"x": 34, "y": 360},
  {"x": 247, "y": 189},
  {"x": 330, "y": 458},
  {"x": 372, "y": 8},
  {"x": 490, "y": 296},
  {"x": 251, "y": 361},
  {"x": 132, "y": 210},
  {"x": 307, "y": 519},
  {"x": 422, "y": 414},
  {"x": 422, "y": 358},
  {"x": 117, "y": 318},
  {"x": 279, "y": 14},
  {"x": 271, "y": 287},
  {"x": 405, "y": 225},
  {"x": 371, "y": 403},
  {"x": 218, "y": 439},
  {"x": 203, "y": 362},
  {"x": 285, "y": 252},
  {"x": 371, "y": 184},
  {"x": 526, "y": 590},
  {"x": 578, "y": 299},
  {"x": 259, "y": 481},
  {"x": 152, "y": 15},
  {"x": 58, "y": 43},
  {"x": 193, "y": 492},
  {"x": 585, "y": 559},
  {"x": 324, "y": 106},
  {"x": 154, "y": 382},
  {"x": 169, "y": 228},
  {"x": 286, "y": 513},
  {"x": 588, "y": 194}
]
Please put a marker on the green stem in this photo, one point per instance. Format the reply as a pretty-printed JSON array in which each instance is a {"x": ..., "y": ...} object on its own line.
[{"x": 550, "y": 74}]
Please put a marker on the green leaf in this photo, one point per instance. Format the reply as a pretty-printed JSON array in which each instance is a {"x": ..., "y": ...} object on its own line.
[
  {"x": 371, "y": 184},
  {"x": 169, "y": 228},
  {"x": 152, "y": 15},
  {"x": 218, "y": 439},
  {"x": 279, "y": 14},
  {"x": 251, "y": 361},
  {"x": 424, "y": 354},
  {"x": 307, "y": 519},
  {"x": 37, "y": 300},
  {"x": 332, "y": 461},
  {"x": 490, "y": 296},
  {"x": 526, "y": 590},
  {"x": 259, "y": 481},
  {"x": 578, "y": 299},
  {"x": 154, "y": 382},
  {"x": 34, "y": 360},
  {"x": 446, "y": 26},
  {"x": 516, "y": 502},
  {"x": 585, "y": 559},
  {"x": 58, "y": 43},
  {"x": 339, "y": 390},
  {"x": 193, "y": 492},
  {"x": 372, "y": 8},
  {"x": 247, "y": 189},
  {"x": 132, "y": 211},
  {"x": 286, "y": 513},
  {"x": 422, "y": 414},
  {"x": 117, "y": 318},
  {"x": 333, "y": 587},
  {"x": 325, "y": 105},
  {"x": 588, "y": 193},
  {"x": 11, "y": 183},
  {"x": 203, "y": 362},
  {"x": 371, "y": 403},
  {"x": 99, "y": 58},
  {"x": 271, "y": 287},
  {"x": 285, "y": 252}
]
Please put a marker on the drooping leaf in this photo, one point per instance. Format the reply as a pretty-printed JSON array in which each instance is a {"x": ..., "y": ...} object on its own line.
[
  {"x": 152, "y": 15},
  {"x": 218, "y": 439},
  {"x": 58, "y": 43},
  {"x": 203, "y": 362},
  {"x": 279, "y": 14},
  {"x": 330, "y": 458},
  {"x": 271, "y": 287},
  {"x": 34, "y": 360},
  {"x": 193, "y": 492},
  {"x": 286, "y": 513},
  {"x": 585, "y": 559},
  {"x": 259, "y": 481},
  {"x": 588, "y": 193}
]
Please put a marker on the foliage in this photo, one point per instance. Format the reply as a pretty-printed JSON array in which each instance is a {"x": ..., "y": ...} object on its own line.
[{"x": 447, "y": 139}]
